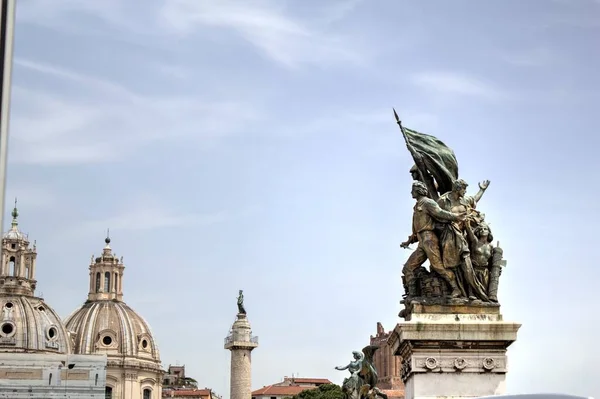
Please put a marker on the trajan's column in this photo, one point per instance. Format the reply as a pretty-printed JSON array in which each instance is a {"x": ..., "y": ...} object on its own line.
[{"x": 241, "y": 343}]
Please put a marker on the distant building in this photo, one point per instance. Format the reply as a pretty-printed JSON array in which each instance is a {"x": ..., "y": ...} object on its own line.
[
  {"x": 177, "y": 385},
  {"x": 303, "y": 382},
  {"x": 175, "y": 378},
  {"x": 290, "y": 386},
  {"x": 190, "y": 393},
  {"x": 51, "y": 375},
  {"x": 387, "y": 365}
]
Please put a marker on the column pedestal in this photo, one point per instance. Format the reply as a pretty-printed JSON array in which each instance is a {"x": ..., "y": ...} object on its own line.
[{"x": 453, "y": 351}]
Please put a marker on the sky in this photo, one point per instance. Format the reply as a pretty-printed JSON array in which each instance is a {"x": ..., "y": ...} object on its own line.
[{"x": 251, "y": 145}]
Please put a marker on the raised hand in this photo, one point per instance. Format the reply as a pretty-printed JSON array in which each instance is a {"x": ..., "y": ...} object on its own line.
[{"x": 484, "y": 184}]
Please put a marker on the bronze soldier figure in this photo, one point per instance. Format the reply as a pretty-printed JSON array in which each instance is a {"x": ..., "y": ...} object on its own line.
[{"x": 426, "y": 213}]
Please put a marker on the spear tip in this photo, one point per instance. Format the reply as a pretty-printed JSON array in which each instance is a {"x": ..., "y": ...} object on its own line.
[{"x": 396, "y": 115}]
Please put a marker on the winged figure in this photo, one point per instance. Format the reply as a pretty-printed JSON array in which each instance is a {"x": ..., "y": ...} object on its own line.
[{"x": 363, "y": 376}]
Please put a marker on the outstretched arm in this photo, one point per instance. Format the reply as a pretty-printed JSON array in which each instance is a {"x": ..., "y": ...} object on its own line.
[
  {"x": 411, "y": 240},
  {"x": 482, "y": 187}
]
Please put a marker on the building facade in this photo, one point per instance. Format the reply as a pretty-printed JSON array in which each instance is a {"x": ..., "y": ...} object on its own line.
[
  {"x": 388, "y": 366},
  {"x": 50, "y": 375},
  {"x": 175, "y": 376},
  {"x": 106, "y": 325},
  {"x": 190, "y": 394},
  {"x": 36, "y": 360}
]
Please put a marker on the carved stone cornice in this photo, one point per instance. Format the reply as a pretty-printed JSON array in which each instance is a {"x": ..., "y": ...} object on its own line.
[
  {"x": 134, "y": 364},
  {"x": 130, "y": 375},
  {"x": 453, "y": 362},
  {"x": 448, "y": 335}
]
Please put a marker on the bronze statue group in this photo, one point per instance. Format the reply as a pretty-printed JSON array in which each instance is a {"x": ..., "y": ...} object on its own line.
[
  {"x": 457, "y": 241},
  {"x": 449, "y": 231},
  {"x": 464, "y": 265}
]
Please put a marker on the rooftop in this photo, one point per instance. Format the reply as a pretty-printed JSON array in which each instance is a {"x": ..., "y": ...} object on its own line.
[
  {"x": 309, "y": 380},
  {"x": 186, "y": 393},
  {"x": 279, "y": 390}
]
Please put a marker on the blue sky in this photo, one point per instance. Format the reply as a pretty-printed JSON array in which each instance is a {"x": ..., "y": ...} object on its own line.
[{"x": 251, "y": 145}]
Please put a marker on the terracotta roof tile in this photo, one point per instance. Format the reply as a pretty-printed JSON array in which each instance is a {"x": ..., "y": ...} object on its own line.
[
  {"x": 312, "y": 381},
  {"x": 274, "y": 390},
  {"x": 183, "y": 393}
]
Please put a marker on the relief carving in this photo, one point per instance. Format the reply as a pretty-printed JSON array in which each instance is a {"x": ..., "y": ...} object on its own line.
[
  {"x": 431, "y": 363},
  {"x": 489, "y": 363},
  {"x": 460, "y": 363},
  {"x": 451, "y": 363}
]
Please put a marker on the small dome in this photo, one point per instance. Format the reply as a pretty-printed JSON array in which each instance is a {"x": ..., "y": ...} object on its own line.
[
  {"x": 15, "y": 234},
  {"x": 112, "y": 328},
  {"x": 28, "y": 324}
]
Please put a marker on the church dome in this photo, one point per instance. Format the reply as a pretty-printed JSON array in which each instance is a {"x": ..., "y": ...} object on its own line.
[
  {"x": 111, "y": 327},
  {"x": 28, "y": 324},
  {"x": 107, "y": 325}
]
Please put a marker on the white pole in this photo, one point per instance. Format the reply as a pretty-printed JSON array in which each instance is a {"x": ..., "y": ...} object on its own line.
[{"x": 7, "y": 30}]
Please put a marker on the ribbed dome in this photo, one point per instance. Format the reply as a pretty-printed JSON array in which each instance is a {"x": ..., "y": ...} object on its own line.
[
  {"x": 28, "y": 324},
  {"x": 113, "y": 328}
]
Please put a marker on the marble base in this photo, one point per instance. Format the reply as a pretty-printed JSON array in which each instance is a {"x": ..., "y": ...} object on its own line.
[{"x": 453, "y": 351}]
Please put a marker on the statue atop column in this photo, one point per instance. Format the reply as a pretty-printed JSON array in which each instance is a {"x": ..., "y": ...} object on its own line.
[
  {"x": 240, "y": 303},
  {"x": 464, "y": 266}
]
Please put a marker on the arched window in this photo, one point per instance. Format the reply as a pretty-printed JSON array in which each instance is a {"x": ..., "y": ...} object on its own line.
[
  {"x": 147, "y": 394},
  {"x": 107, "y": 282},
  {"x": 96, "y": 382},
  {"x": 115, "y": 281},
  {"x": 108, "y": 393},
  {"x": 97, "y": 282},
  {"x": 11, "y": 266},
  {"x": 50, "y": 379}
]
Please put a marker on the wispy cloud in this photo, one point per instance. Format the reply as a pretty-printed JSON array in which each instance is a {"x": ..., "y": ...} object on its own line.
[
  {"x": 173, "y": 71},
  {"x": 265, "y": 25},
  {"x": 154, "y": 217},
  {"x": 74, "y": 15},
  {"x": 456, "y": 84},
  {"x": 581, "y": 14},
  {"x": 539, "y": 56},
  {"x": 150, "y": 214},
  {"x": 30, "y": 196},
  {"x": 101, "y": 121},
  {"x": 372, "y": 121},
  {"x": 336, "y": 10}
]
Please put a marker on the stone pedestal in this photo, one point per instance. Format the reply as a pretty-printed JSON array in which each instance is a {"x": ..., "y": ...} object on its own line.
[{"x": 453, "y": 351}]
